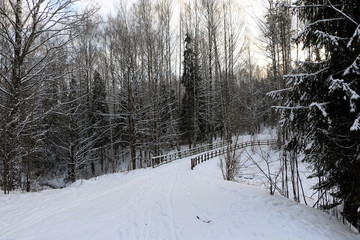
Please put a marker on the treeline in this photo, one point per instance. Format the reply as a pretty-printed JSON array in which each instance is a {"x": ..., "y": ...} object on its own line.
[{"x": 83, "y": 96}]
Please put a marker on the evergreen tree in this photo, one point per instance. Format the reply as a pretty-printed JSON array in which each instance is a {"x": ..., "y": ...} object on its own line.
[
  {"x": 190, "y": 120},
  {"x": 322, "y": 101}
]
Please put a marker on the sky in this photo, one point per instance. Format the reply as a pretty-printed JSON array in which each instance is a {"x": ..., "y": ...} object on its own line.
[
  {"x": 251, "y": 10},
  {"x": 250, "y": 6}
]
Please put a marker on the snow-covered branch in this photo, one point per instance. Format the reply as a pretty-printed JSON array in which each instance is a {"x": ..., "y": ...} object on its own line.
[
  {"x": 320, "y": 106},
  {"x": 342, "y": 13},
  {"x": 354, "y": 68}
]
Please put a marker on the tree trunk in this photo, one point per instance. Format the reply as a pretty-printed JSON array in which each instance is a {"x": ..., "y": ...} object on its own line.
[
  {"x": 72, "y": 165},
  {"x": 6, "y": 167},
  {"x": 131, "y": 123},
  {"x": 29, "y": 160}
]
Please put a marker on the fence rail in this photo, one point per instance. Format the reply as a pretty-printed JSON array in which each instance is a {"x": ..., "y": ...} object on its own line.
[
  {"x": 162, "y": 159},
  {"x": 217, "y": 152}
]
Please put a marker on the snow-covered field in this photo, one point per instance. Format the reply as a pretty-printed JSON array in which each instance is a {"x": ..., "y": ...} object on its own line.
[{"x": 168, "y": 202}]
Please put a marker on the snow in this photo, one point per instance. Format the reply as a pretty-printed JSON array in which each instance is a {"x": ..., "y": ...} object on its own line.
[
  {"x": 324, "y": 37},
  {"x": 320, "y": 106},
  {"x": 345, "y": 87},
  {"x": 168, "y": 202},
  {"x": 356, "y": 124},
  {"x": 354, "y": 68}
]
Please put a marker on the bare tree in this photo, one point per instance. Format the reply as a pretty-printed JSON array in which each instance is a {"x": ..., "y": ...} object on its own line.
[
  {"x": 271, "y": 174},
  {"x": 32, "y": 31},
  {"x": 230, "y": 164}
]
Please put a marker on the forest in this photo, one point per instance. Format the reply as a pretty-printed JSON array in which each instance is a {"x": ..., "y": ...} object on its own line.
[{"x": 84, "y": 95}]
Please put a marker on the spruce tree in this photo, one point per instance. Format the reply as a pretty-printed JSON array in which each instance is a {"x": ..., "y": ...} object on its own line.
[
  {"x": 322, "y": 100},
  {"x": 189, "y": 126}
]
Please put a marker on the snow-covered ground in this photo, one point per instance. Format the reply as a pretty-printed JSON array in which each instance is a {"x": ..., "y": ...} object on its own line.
[{"x": 168, "y": 202}]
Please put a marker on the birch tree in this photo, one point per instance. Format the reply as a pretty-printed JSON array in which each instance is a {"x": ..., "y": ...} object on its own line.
[{"x": 31, "y": 31}]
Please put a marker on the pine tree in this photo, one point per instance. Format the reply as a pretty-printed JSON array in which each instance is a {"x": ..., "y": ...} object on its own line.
[{"x": 322, "y": 101}]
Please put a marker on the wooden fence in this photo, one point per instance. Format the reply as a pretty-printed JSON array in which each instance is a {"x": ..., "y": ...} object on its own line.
[
  {"x": 217, "y": 152},
  {"x": 162, "y": 159},
  {"x": 208, "y": 151}
]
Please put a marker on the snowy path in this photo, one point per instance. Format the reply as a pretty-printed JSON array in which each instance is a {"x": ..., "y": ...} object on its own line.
[{"x": 169, "y": 202}]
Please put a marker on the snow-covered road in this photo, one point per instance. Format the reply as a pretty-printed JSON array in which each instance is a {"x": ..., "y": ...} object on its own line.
[{"x": 168, "y": 202}]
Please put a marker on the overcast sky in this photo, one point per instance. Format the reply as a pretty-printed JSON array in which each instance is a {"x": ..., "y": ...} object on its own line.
[{"x": 251, "y": 9}]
